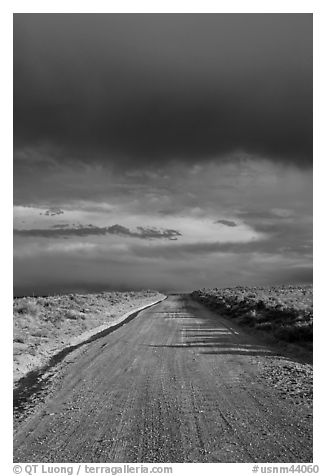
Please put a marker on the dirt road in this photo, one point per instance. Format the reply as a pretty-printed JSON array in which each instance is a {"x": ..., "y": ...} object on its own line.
[{"x": 176, "y": 384}]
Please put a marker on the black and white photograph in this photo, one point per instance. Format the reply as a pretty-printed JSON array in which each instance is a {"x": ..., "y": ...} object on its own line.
[{"x": 162, "y": 240}]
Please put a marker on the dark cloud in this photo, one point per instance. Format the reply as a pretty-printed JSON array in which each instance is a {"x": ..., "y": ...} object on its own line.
[
  {"x": 148, "y": 88},
  {"x": 229, "y": 223},
  {"x": 61, "y": 231},
  {"x": 268, "y": 246},
  {"x": 53, "y": 211},
  {"x": 48, "y": 273},
  {"x": 170, "y": 234},
  {"x": 146, "y": 233},
  {"x": 163, "y": 116}
]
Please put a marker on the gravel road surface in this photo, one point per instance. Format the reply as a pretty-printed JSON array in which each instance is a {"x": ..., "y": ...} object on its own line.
[{"x": 175, "y": 384}]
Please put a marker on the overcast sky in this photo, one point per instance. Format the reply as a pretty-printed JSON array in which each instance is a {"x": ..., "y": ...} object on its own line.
[{"x": 167, "y": 151}]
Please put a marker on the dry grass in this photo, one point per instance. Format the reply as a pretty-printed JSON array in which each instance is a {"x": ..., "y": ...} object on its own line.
[
  {"x": 26, "y": 306},
  {"x": 44, "y": 325},
  {"x": 285, "y": 312}
]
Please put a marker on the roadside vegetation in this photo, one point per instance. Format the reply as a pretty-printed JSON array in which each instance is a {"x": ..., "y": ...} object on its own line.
[
  {"x": 45, "y": 325},
  {"x": 284, "y": 312}
]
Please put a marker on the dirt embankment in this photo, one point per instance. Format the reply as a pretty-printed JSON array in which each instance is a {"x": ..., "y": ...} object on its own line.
[
  {"x": 284, "y": 313},
  {"x": 45, "y": 325}
]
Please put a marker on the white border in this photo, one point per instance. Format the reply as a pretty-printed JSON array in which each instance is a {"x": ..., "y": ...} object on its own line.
[
  {"x": 141, "y": 6},
  {"x": 167, "y": 6}
]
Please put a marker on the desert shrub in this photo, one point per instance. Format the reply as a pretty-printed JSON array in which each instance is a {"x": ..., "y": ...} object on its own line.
[
  {"x": 41, "y": 333},
  {"x": 287, "y": 333},
  {"x": 32, "y": 350},
  {"x": 246, "y": 319},
  {"x": 19, "y": 339},
  {"x": 284, "y": 311},
  {"x": 72, "y": 314},
  {"x": 264, "y": 326},
  {"x": 27, "y": 307},
  {"x": 261, "y": 304}
]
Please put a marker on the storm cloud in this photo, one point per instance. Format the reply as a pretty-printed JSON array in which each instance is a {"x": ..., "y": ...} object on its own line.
[
  {"x": 162, "y": 150},
  {"x": 53, "y": 212},
  {"x": 226, "y": 223},
  {"x": 150, "y": 88},
  {"x": 62, "y": 231}
]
